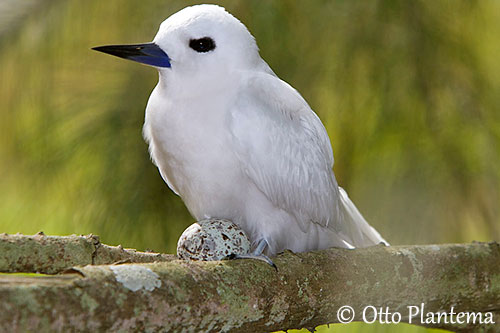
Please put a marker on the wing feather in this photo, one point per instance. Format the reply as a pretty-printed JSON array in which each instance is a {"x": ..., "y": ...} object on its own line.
[{"x": 285, "y": 150}]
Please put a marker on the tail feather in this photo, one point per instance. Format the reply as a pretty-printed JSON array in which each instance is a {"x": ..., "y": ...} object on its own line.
[{"x": 358, "y": 232}]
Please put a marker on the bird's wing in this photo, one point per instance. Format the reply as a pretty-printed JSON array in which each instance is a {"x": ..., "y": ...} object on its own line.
[{"x": 284, "y": 149}]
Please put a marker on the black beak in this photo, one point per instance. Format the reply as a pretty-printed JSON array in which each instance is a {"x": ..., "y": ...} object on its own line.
[{"x": 149, "y": 53}]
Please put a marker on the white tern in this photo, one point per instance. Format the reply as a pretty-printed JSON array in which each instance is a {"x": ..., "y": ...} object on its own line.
[{"x": 236, "y": 142}]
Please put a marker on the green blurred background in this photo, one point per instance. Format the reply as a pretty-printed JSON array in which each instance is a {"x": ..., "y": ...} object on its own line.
[{"x": 409, "y": 92}]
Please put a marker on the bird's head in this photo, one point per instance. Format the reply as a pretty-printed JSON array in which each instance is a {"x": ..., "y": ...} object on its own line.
[{"x": 196, "y": 42}]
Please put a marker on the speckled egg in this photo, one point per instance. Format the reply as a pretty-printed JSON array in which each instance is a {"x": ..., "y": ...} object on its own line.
[{"x": 212, "y": 239}]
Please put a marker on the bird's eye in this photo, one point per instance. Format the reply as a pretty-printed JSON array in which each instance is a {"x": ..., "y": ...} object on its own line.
[{"x": 202, "y": 45}]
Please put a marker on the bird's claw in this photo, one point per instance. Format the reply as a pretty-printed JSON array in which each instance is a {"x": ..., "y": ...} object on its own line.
[{"x": 261, "y": 257}]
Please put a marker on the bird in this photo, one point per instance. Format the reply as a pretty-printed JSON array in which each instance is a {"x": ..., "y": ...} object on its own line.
[{"x": 236, "y": 142}]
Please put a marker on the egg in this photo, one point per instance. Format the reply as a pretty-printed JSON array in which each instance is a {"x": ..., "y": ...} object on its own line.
[{"x": 212, "y": 239}]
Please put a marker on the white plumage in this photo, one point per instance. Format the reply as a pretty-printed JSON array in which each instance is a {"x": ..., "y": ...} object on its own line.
[{"x": 238, "y": 143}]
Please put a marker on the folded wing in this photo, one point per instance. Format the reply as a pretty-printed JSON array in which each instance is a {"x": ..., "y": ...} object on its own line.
[{"x": 285, "y": 150}]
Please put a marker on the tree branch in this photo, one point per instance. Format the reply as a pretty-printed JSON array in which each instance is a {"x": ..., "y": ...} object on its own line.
[
  {"x": 54, "y": 254},
  {"x": 250, "y": 296}
]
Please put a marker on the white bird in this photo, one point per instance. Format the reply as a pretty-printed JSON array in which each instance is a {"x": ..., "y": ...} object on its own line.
[{"x": 234, "y": 141}]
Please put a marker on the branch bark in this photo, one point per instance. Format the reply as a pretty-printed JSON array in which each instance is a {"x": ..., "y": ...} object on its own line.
[
  {"x": 54, "y": 254},
  {"x": 250, "y": 296}
]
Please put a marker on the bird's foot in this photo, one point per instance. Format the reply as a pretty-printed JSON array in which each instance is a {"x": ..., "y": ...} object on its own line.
[
  {"x": 261, "y": 257},
  {"x": 257, "y": 254}
]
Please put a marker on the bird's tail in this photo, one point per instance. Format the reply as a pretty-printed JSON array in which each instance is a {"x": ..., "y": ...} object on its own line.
[{"x": 359, "y": 233}]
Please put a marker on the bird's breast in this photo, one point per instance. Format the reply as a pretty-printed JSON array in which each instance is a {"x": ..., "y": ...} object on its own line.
[{"x": 191, "y": 145}]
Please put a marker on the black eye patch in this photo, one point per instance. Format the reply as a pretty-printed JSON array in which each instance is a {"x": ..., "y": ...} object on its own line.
[{"x": 202, "y": 45}]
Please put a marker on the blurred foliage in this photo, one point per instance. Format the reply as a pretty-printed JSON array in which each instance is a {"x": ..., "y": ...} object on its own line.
[{"x": 408, "y": 91}]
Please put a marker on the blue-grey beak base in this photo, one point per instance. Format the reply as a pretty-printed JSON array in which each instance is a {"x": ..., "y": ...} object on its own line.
[{"x": 149, "y": 53}]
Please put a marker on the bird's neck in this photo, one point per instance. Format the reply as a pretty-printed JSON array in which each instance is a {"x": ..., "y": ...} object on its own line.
[{"x": 197, "y": 86}]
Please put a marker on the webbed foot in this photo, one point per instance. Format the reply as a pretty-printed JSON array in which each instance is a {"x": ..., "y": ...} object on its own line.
[
  {"x": 261, "y": 257},
  {"x": 257, "y": 254}
]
